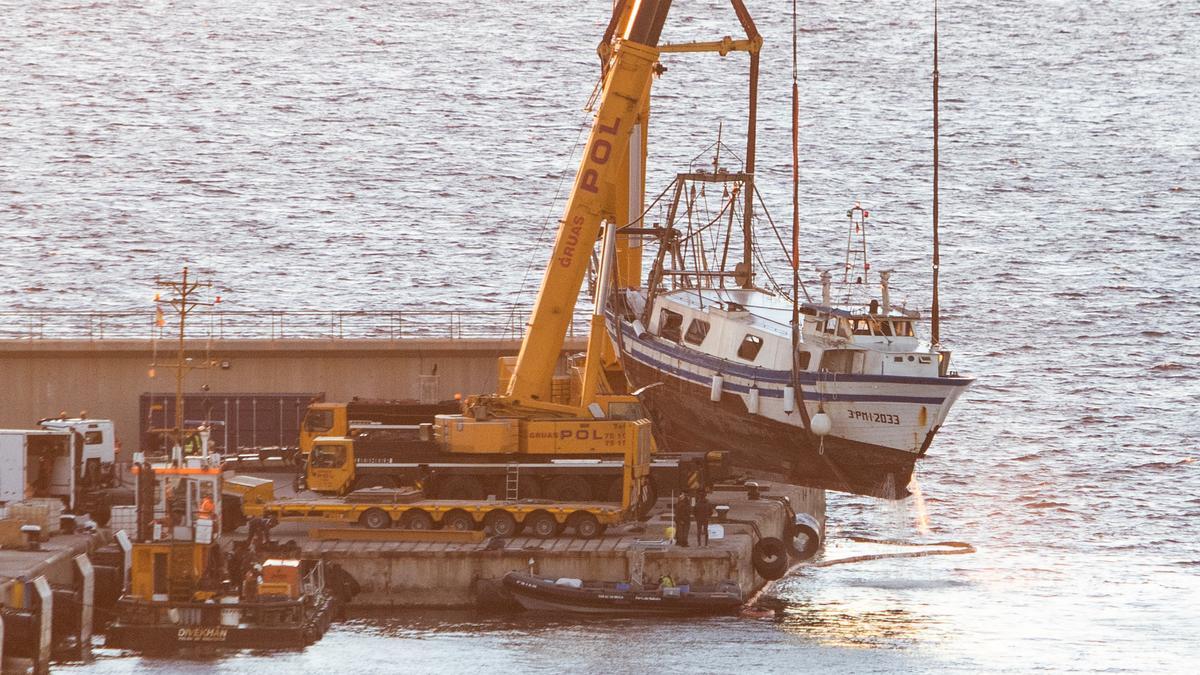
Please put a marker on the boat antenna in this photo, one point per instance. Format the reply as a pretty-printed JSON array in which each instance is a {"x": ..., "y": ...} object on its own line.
[{"x": 936, "y": 318}]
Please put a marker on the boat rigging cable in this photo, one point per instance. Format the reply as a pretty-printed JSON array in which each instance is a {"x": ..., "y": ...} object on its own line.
[{"x": 795, "y": 360}]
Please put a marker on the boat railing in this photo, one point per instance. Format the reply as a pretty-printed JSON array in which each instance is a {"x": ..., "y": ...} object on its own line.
[
  {"x": 391, "y": 324},
  {"x": 191, "y": 613}
]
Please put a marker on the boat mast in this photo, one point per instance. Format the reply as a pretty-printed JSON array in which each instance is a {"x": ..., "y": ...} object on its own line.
[
  {"x": 936, "y": 318},
  {"x": 795, "y": 192},
  {"x": 799, "y": 393},
  {"x": 755, "y": 39}
]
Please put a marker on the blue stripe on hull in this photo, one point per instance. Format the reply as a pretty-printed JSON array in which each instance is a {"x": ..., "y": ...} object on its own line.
[
  {"x": 778, "y": 393},
  {"x": 778, "y": 376}
]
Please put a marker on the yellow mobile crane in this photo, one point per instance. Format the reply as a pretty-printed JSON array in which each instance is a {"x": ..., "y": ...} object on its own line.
[{"x": 527, "y": 417}]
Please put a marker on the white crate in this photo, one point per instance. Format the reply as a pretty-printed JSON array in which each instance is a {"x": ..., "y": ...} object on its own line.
[{"x": 123, "y": 518}]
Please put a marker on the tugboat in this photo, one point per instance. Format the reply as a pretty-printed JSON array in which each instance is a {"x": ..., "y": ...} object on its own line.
[
  {"x": 185, "y": 593},
  {"x": 604, "y": 597}
]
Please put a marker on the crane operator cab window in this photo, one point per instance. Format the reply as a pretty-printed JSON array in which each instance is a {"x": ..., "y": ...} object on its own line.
[
  {"x": 318, "y": 420},
  {"x": 670, "y": 325},
  {"x": 627, "y": 410},
  {"x": 328, "y": 456}
]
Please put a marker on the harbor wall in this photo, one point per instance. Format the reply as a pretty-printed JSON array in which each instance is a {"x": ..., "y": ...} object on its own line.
[{"x": 40, "y": 378}]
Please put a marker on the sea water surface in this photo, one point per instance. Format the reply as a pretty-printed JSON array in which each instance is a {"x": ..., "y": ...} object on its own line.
[{"x": 379, "y": 155}]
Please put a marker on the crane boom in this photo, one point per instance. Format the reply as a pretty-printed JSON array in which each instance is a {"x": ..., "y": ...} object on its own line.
[{"x": 626, "y": 86}]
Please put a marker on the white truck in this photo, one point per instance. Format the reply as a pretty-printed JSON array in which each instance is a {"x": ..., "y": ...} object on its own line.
[
  {"x": 95, "y": 444},
  {"x": 69, "y": 458}
]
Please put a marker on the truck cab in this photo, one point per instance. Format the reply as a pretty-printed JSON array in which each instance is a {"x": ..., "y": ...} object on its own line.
[
  {"x": 330, "y": 465},
  {"x": 95, "y": 447}
]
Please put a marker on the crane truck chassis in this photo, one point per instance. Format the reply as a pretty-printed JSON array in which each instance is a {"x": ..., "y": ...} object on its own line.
[
  {"x": 392, "y": 456},
  {"x": 542, "y": 518}
]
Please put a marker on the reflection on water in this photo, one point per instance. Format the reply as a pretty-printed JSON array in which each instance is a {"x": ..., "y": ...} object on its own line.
[{"x": 302, "y": 155}]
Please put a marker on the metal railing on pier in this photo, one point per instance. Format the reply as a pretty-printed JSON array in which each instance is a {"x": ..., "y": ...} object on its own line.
[{"x": 398, "y": 324}]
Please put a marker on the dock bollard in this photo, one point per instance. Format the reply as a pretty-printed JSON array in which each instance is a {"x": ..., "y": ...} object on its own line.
[
  {"x": 33, "y": 537},
  {"x": 752, "y": 491},
  {"x": 722, "y": 512}
]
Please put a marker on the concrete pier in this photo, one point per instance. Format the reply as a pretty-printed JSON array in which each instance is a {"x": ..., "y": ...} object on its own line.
[
  {"x": 48, "y": 601},
  {"x": 445, "y": 574}
]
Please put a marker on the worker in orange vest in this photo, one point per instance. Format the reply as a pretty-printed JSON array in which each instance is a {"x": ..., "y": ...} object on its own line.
[{"x": 206, "y": 508}]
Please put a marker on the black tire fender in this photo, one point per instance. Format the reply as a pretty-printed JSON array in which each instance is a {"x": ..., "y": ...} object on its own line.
[
  {"x": 808, "y": 532},
  {"x": 770, "y": 558}
]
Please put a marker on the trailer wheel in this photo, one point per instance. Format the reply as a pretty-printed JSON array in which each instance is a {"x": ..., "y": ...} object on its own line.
[
  {"x": 541, "y": 524},
  {"x": 569, "y": 489},
  {"x": 501, "y": 523},
  {"x": 376, "y": 519},
  {"x": 586, "y": 525},
  {"x": 458, "y": 520},
  {"x": 416, "y": 519},
  {"x": 465, "y": 488}
]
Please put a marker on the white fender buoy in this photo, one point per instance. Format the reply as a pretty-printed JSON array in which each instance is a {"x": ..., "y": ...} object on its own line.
[
  {"x": 639, "y": 329},
  {"x": 821, "y": 424},
  {"x": 789, "y": 398},
  {"x": 718, "y": 385},
  {"x": 752, "y": 401}
]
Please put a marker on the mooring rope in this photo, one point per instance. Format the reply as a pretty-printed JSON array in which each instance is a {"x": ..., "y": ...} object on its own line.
[
  {"x": 949, "y": 548},
  {"x": 750, "y": 609}
]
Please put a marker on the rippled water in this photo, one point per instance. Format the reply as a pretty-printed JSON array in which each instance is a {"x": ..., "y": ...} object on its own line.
[{"x": 323, "y": 154}]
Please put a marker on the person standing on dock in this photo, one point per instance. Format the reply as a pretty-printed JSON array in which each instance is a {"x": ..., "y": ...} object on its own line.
[
  {"x": 702, "y": 511},
  {"x": 683, "y": 519}
]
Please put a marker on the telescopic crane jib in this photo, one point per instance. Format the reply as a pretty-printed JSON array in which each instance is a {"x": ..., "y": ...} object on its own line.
[{"x": 524, "y": 416}]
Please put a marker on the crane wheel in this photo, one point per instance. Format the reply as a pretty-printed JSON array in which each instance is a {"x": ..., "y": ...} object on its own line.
[
  {"x": 373, "y": 481},
  {"x": 458, "y": 520},
  {"x": 467, "y": 488},
  {"x": 500, "y": 523},
  {"x": 416, "y": 519},
  {"x": 529, "y": 488},
  {"x": 585, "y": 524},
  {"x": 376, "y": 519},
  {"x": 569, "y": 489},
  {"x": 616, "y": 490},
  {"x": 541, "y": 524}
]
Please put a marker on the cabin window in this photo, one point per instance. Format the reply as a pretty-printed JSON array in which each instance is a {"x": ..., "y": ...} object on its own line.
[
  {"x": 903, "y": 328},
  {"x": 696, "y": 331},
  {"x": 93, "y": 438},
  {"x": 751, "y": 345},
  {"x": 861, "y": 326},
  {"x": 318, "y": 420},
  {"x": 670, "y": 325},
  {"x": 328, "y": 456},
  {"x": 842, "y": 361},
  {"x": 632, "y": 410},
  {"x": 803, "y": 358}
]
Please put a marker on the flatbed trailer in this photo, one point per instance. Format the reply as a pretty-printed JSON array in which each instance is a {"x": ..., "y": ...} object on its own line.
[{"x": 538, "y": 517}]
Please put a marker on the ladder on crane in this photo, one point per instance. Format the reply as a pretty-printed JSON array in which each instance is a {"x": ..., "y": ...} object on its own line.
[{"x": 512, "y": 482}]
